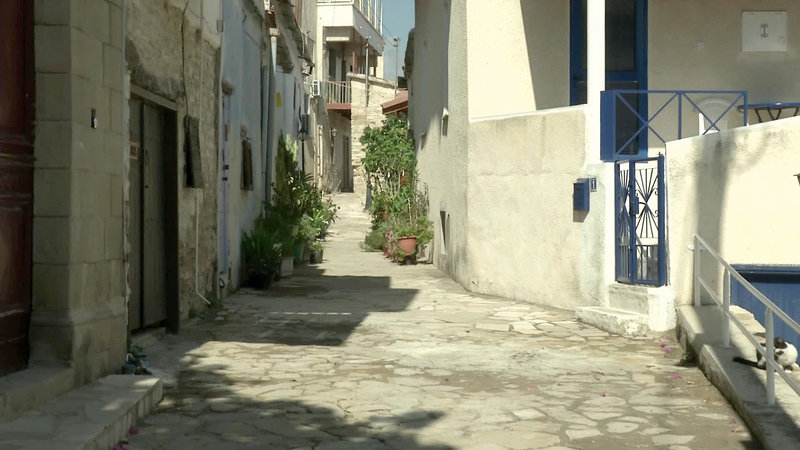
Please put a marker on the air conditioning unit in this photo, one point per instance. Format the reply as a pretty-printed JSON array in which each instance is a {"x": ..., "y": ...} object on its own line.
[{"x": 316, "y": 88}]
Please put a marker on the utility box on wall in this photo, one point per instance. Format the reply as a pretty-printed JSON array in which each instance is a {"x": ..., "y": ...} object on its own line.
[{"x": 580, "y": 195}]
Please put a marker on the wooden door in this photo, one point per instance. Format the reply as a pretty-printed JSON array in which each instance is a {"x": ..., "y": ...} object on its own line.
[
  {"x": 153, "y": 222},
  {"x": 135, "y": 221},
  {"x": 154, "y": 262},
  {"x": 16, "y": 180}
]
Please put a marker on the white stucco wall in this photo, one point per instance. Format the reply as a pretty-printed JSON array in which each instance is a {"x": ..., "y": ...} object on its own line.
[
  {"x": 442, "y": 145},
  {"x": 518, "y": 56},
  {"x": 697, "y": 45},
  {"x": 526, "y": 242},
  {"x": 736, "y": 189}
]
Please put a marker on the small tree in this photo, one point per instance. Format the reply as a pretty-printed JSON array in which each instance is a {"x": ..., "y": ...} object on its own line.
[{"x": 390, "y": 164}]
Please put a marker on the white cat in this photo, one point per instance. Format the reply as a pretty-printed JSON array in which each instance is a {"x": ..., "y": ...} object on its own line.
[{"x": 785, "y": 355}]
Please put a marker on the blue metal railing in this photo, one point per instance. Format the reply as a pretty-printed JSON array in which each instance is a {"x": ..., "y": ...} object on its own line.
[
  {"x": 625, "y": 128},
  {"x": 640, "y": 221}
]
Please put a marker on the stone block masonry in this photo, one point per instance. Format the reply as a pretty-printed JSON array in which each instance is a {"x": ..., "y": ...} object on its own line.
[
  {"x": 365, "y": 115},
  {"x": 79, "y": 312}
]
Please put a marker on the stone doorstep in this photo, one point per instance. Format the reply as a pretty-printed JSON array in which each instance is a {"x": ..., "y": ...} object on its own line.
[
  {"x": 26, "y": 389},
  {"x": 614, "y": 320},
  {"x": 776, "y": 427},
  {"x": 95, "y": 416},
  {"x": 148, "y": 337}
]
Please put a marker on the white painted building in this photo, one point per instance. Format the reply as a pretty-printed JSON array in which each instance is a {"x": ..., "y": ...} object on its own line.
[{"x": 507, "y": 118}]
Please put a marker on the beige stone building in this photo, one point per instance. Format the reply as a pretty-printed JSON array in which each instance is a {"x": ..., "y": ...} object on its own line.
[
  {"x": 508, "y": 119},
  {"x": 351, "y": 86},
  {"x": 64, "y": 291},
  {"x": 115, "y": 179}
]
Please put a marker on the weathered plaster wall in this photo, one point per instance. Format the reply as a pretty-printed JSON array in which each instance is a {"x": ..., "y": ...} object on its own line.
[
  {"x": 156, "y": 54},
  {"x": 79, "y": 313},
  {"x": 241, "y": 70},
  {"x": 521, "y": 65},
  {"x": 525, "y": 240},
  {"x": 365, "y": 115},
  {"x": 738, "y": 191},
  {"x": 442, "y": 145}
]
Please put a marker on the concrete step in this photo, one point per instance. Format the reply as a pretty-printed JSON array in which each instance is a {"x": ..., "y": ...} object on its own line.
[
  {"x": 617, "y": 321},
  {"x": 700, "y": 333},
  {"x": 95, "y": 416}
]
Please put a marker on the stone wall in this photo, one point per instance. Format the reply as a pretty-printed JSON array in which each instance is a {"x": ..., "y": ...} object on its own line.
[
  {"x": 79, "y": 313},
  {"x": 364, "y": 115},
  {"x": 185, "y": 71}
]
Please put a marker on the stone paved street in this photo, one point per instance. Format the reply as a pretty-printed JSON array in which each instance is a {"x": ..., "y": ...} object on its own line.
[{"x": 359, "y": 353}]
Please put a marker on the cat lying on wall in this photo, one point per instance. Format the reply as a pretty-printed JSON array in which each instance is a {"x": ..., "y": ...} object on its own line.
[{"x": 785, "y": 355}]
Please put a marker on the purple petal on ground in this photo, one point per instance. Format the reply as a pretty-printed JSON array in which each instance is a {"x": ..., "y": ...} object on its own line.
[{"x": 133, "y": 430}]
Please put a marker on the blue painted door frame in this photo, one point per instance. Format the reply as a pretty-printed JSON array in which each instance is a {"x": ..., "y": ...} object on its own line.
[{"x": 631, "y": 78}]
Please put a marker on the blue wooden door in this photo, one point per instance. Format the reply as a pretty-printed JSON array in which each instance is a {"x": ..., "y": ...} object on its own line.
[
  {"x": 781, "y": 284},
  {"x": 626, "y": 62}
]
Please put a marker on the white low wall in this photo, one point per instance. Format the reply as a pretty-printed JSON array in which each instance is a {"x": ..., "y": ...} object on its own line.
[
  {"x": 525, "y": 240},
  {"x": 737, "y": 189}
]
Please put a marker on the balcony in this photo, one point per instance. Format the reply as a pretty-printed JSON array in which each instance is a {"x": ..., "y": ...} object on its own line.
[
  {"x": 337, "y": 96},
  {"x": 341, "y": 17}
]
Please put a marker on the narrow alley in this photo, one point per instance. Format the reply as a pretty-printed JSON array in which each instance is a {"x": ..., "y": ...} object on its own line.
[{"x": 361, "y": 353}]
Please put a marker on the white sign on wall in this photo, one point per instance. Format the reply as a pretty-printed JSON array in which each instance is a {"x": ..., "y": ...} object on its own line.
[{"x": 764, "y": 31}]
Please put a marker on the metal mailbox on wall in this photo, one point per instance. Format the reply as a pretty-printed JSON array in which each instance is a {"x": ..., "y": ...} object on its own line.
[{"x": 580, "y": 195}]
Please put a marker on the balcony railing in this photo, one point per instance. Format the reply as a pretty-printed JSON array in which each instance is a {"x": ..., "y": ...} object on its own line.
[
  {"x": 632, "y": 121},
  {"x": 337, "y": 92},
  {"x": 372, "y": 10}
]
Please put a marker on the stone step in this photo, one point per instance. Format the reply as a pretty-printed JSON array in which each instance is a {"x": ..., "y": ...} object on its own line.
[
  {"x": 617, "y": 321},
  {"x": 95, "y": 416},
  {"x": 21, "y": 391}
]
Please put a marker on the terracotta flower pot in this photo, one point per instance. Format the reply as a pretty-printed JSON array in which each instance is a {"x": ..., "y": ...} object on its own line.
[{"x": 408, "y": 244}]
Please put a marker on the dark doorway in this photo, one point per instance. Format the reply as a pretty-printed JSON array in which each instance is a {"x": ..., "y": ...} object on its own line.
[
  {"x": 626, "y": 63},
  {"x": 16, "y": 181},
  {"x": 153, "y": 230},
  {"x": 347, "y": 167}
]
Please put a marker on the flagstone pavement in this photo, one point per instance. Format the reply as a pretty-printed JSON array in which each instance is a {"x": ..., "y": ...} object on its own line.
[{"x": 360, "y": 353}]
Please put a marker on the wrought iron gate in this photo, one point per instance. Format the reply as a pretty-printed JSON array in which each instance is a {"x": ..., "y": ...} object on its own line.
[{"x": 640, "y": 213}]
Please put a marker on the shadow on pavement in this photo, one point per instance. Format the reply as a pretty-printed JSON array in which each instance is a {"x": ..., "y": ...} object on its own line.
[
  {"x": 310, "y": 308},
  {"x": 211, "y": 409}
]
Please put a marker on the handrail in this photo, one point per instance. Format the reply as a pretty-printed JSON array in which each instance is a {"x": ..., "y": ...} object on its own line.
[{"x": 700, "y": 245}]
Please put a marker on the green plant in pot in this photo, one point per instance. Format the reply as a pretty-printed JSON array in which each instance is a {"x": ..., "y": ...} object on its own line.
[
  {"x": 261, "y": 251},
  {"x": 317, "y": 248}
]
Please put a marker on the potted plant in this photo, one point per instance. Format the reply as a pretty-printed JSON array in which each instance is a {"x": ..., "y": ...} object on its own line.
[
  {"x": 317, "y": 248},
  {"x": 281, "y": 223},
  {"x": 261, "y": 251}
]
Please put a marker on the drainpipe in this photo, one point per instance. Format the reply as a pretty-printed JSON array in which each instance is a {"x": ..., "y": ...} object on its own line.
[
  {"x": 265, "y": 130},
  {"x": 366, "y": 70},
  {"x": 124, "y": 146},
  {"x": 197, "y": 245},
  {"x": 273, "y": 89}
]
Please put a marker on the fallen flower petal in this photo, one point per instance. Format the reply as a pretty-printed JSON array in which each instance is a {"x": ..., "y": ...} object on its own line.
[{"x": 133, "y": 430}]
